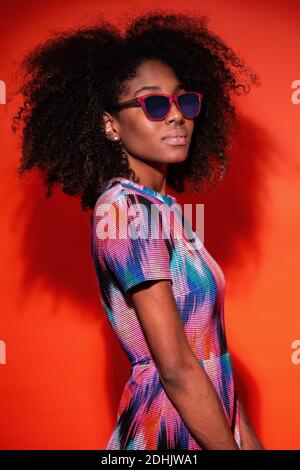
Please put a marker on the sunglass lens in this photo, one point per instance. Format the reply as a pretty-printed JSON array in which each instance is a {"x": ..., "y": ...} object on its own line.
[
  {"x": 157, "y": 106},
  {"x": 190, "y": 104}
]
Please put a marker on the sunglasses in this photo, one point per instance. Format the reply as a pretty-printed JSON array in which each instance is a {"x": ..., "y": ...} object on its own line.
[{"x": 157, "y": 106}]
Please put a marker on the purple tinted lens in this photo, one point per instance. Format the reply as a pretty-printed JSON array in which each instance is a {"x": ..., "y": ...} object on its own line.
[
  {"x": 157, "y": 106},
  {"x": 190, "y": 104}
]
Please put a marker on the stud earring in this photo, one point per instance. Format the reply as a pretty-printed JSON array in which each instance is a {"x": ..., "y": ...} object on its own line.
[{"x": 116, "y": 138}]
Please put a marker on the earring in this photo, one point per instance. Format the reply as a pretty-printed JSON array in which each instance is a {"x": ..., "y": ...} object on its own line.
[{"x": 116, "y": 138}]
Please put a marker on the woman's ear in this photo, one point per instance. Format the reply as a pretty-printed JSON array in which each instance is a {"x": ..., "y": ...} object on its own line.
[{"x": 107, "y": 126}]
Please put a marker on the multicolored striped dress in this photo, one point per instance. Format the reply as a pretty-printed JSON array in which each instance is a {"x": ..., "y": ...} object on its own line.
[{"x": 128, "y": 255}]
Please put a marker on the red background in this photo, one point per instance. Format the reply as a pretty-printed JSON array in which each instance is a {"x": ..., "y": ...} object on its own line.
[{"x": 64, "y": 370}]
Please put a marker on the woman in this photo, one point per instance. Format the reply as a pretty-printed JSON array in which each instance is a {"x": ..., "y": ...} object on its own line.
[{"x": 114, "y": 118}]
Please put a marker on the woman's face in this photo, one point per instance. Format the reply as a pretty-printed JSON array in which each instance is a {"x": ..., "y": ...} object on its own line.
[{"x": 141, "y": 138}]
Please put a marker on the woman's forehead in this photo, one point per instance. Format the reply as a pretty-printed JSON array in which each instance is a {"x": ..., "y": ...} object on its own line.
[{"x": 151, "y": 75}]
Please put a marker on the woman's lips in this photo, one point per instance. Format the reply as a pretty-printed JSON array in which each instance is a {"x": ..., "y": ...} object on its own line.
[{"x": 176, "y": 140}]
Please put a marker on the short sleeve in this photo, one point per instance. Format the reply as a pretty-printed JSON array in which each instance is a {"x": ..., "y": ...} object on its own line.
[{"x": 134, "y": 247}]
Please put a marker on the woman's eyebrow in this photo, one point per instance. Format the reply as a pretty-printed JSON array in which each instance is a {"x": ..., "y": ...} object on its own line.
[{"x": 157, "y": 88}]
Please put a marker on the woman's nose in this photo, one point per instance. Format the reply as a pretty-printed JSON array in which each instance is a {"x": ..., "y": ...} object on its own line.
[{"x": 175, "y": 112}]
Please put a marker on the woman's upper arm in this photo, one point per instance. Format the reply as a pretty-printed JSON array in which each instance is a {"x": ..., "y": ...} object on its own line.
[
  {"x": 158, "y": 313},
  {"x": 141, "y": 266}
]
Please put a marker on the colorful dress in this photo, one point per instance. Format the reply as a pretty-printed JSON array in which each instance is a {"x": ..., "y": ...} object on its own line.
[{"x": 146, "y": 418}]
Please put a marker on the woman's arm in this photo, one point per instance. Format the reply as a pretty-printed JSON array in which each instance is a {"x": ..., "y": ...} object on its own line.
[
  {"x": 249, "y": 439},
  {"x": 186, "y": 383},
  {"x": 195, "y": 398}
]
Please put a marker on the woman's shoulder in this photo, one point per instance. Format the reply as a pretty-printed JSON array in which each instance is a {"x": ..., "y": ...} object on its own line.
[
  {"x": 121, "y": 193},
  {"x": 127, "y": 202},
  {"x": 110, "y": 194}
]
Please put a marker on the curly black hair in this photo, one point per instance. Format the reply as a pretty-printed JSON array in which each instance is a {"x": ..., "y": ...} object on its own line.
[{"x": 76, "y": 75}]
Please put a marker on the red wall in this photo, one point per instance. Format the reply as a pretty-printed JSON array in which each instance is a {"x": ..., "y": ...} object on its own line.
[{"x": 64, "y": 370}]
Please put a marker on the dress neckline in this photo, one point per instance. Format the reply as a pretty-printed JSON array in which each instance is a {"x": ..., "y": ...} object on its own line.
[{"x": 167, "y": 198}]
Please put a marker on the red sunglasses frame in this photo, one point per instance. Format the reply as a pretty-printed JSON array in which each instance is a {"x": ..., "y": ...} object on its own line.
[{"x": 140, "y": 101}]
